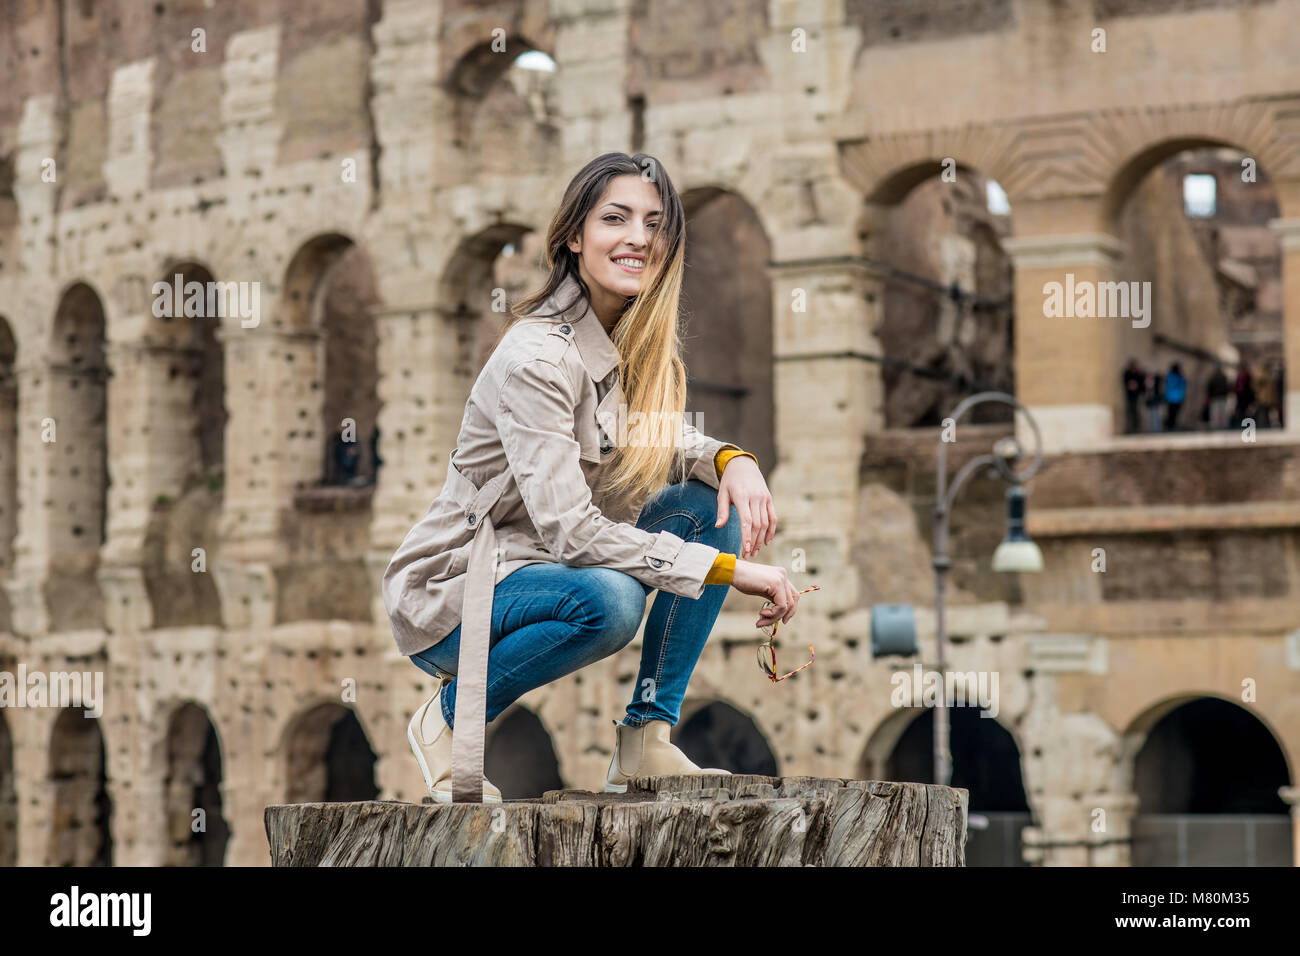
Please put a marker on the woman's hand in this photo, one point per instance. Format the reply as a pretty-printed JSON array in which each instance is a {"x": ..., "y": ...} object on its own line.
[
  {"x": 770, "y": 582},
  {"x": 742, "y": 485}
]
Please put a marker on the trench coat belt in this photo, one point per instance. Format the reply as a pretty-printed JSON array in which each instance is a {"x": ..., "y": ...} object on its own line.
[{"x": 475, "y": 631}]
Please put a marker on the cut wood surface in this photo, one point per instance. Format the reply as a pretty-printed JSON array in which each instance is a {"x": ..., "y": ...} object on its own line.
[{"x": 677, "y": 820}]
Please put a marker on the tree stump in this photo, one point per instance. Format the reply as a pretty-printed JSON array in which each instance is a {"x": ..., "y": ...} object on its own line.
[{"x": 676, "y": 820}]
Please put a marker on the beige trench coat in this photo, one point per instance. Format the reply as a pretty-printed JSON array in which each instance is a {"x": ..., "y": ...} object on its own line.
[{"x": 519, "y": 490}]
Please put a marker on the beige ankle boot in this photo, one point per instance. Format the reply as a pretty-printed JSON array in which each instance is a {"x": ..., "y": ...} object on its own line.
[
  {"x": 430, "y": 740},
  {"x": 644, "y": 752}
]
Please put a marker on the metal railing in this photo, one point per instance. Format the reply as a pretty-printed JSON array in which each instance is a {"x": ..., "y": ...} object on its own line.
[{"x": 1212, "y": 839}]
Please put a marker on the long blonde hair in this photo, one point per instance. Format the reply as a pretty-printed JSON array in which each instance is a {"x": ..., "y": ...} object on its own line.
[{"x": 646, "y": 336}]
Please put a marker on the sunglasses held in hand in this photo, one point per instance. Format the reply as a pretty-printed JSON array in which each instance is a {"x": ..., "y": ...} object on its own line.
[{"x": 767, "y": 650}]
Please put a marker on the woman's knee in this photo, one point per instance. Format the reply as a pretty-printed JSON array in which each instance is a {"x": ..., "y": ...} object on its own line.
[{"x": 613, "y": 607}]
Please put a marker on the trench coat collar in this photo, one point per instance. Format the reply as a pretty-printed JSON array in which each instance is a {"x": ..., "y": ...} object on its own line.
[{"x": 594, "y": 345}]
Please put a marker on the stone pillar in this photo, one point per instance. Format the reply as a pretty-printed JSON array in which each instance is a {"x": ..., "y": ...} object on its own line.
[
  {"x": 1063, "y": 835},
  {"x": 415, "y": 348},
  {"x": 268, "y": 455},
  {"x": 128, "y": 158},
  {"x": 1292, "y": 796},
  {"x": 243, "y": 802},
  {"x": 31, "y": 742},
  {"x": 32, "y": 543},
  {"x": 1112, "y": 845},
  {"x": 37, "y": 141},
  {"x": 250, "y": 137},
  {"x": 1289, "y": 230},
  {"x": 1066, "y": 371},
  {"x": 152, "y": 451},
  {"x": 590, "y": 87},
  {"x": 829, "y": 396},
  {"x": 152, "y": 445}
]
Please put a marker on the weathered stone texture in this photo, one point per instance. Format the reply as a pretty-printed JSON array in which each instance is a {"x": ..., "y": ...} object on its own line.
[{"x": 379, "y": 172}]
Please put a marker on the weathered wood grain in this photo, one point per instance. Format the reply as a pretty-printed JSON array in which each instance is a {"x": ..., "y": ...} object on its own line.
[{"x": 678, "y": 820}]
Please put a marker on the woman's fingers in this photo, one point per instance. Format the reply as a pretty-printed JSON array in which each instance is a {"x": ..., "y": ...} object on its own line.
[
  {"x": 724, "y": 507},
  {"x": 746, "y": 529},
  {"x": 771, "y": 514},
  {"x": 758, "y": 522}
]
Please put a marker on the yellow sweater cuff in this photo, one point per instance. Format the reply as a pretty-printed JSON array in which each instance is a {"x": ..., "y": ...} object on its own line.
[
  {"x": 724, "y": 567},
  {"x": 725, "y": 455}
]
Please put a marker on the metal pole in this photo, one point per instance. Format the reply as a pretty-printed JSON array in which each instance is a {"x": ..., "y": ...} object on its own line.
[
  {"x": 944, "y": 497},
  {"x": 942, "y": 758},
  {"x": 941, "y": 562}
]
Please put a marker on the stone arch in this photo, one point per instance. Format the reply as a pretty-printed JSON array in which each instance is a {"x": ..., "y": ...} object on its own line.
[
  {"x": 76, "y": 508},
  {"x": 8, "y": 798},
  {"x": 986, "y": 761},
  {"x": 202, "y": 362},
  {"x": 499, "y": 111},
  {"x": 898, "y": 184},
  {"x": 193, "y": 782},
  {"x": 1137, "y": 734},
  {"x": 325, "y": 333},
  {"x": 727, "y": 325},
  {"x": 328, "y": 756},
  {"x": 884, "y": 169},
  {"x": 82, "y": 811},
  {"x": 716, "y": 733},
  {"x": 1210, "y": 283},
  {"x": 1206, "y": 772},
  {"x": 327, "y": 298},
  {"x": 1135, "y": 142},
  {"x": 185, "y": 367},
  {"x": 8, "y": 462},
  {"x": 945, "y": 286},
  {"x": 519, "y": 757},
  {"x": 873, "y": 763},
  {"x": 502, "y": 256}
]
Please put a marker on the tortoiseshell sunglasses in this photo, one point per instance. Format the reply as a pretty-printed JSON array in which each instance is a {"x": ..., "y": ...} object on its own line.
[{"x": 767, "y": 651}]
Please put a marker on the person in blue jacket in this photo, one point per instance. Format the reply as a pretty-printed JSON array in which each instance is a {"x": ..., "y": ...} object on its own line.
[{"x": 1175, "y": 392}]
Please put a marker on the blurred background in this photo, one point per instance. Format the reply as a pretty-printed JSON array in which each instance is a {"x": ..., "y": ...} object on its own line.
[{"x": 198, "y": 502}]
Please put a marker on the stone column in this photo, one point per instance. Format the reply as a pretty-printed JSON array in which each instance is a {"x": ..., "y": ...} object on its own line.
[
  {"x": 1113, "y": 845},
  {"x": 829, "y": 397},
  {"x": 269, "y": 376},
  {"x": 152, "y": 451},
  {"x": 1292, "y": 796},
  {"x": 590, "y": 87},
  {"x": 1066, "y": 372},
  {"x": 129, "y": 156},
  {"x": 1289, "y": 230},
  {"x": 1063, "y": 835},
  {"x": 32, "y": 543},
  {"x": 37, "y": 141}
]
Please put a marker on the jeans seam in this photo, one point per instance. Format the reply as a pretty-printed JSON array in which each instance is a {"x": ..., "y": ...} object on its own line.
[{"x": 672, "y": 610}]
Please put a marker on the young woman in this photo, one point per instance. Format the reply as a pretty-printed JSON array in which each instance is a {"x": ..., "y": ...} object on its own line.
[{"x": 575, "y": 489}]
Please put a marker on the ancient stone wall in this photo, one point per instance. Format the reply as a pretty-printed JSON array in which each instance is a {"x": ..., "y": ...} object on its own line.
[{"x": 377, "y": 169}]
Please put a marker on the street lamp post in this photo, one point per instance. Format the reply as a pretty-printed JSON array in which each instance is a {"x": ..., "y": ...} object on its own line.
[{"x": 1016, "y": 553}]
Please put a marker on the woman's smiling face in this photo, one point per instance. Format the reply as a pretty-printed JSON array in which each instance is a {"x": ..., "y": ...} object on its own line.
[{"x": 615, "y": 243}]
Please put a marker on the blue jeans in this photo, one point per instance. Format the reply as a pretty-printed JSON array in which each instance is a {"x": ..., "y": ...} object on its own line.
[{"x": 549, "y": 620}]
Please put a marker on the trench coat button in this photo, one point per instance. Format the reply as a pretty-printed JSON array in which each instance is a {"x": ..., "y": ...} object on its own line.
[
  {"x": 566, "y": 329},
  {"x": 472, "y": 519},
  {"x": 656, "y": 563}
]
